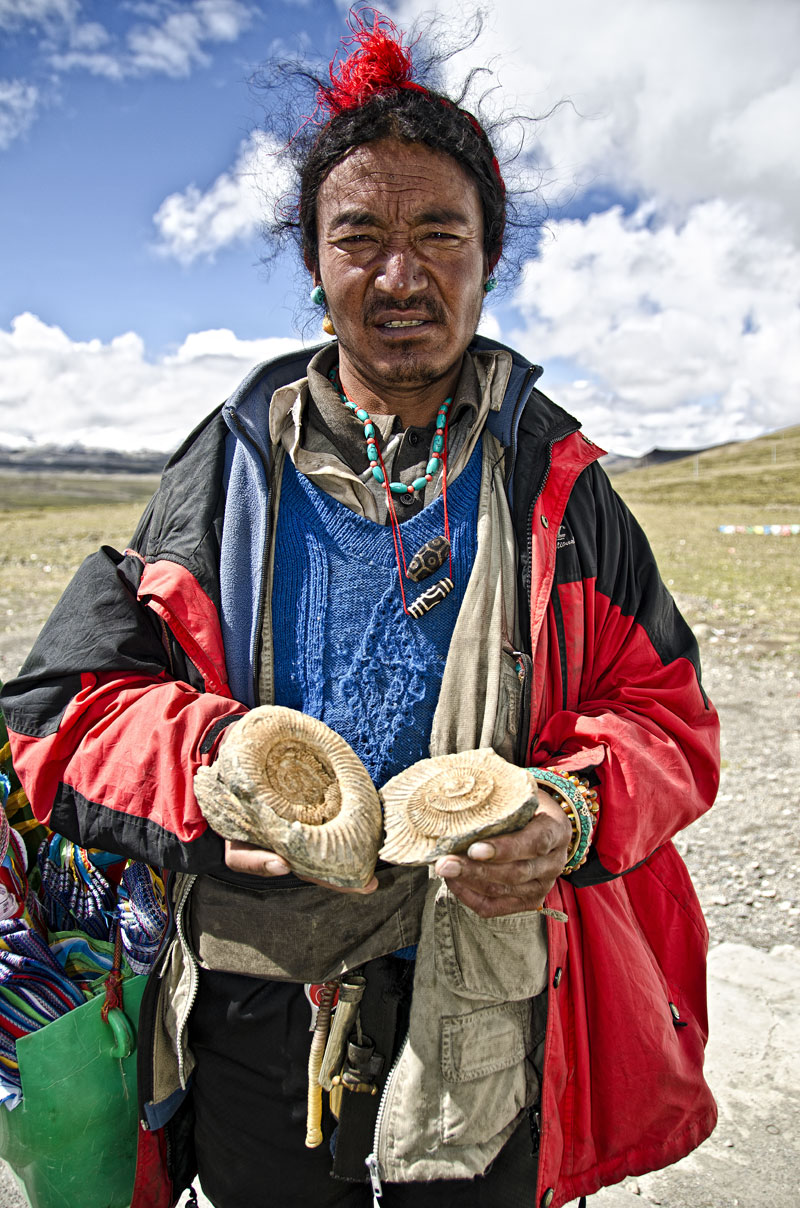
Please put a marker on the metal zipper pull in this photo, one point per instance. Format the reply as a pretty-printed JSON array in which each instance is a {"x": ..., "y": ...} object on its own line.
[{"x": 375, "y": 1179}]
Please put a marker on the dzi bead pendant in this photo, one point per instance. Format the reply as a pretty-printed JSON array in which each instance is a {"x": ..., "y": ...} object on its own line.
[
  {"x": 428, "y": 559},
  {"x": 430, "y": 598}
]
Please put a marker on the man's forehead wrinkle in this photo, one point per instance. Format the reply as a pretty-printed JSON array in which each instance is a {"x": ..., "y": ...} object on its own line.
[
  {"x": 442, "y": 215},
  {"x": 352, "y": 218},
  {"x": 433, "y": 216}
]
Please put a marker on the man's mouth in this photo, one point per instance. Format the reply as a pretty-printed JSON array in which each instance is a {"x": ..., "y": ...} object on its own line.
[{"x": 404, "y": 323}]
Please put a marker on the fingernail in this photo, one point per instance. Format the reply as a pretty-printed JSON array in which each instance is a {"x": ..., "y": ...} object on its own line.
[
  {"x": 448, "y": 868},
  {"x": 481, "y": 851},
  {"x": 275, "y": 867}
]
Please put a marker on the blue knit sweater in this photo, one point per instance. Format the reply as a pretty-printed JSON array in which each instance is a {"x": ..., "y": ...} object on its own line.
[{"x": 344, "y": 649}]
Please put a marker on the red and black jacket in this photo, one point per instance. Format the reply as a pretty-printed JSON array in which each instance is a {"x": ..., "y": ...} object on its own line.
[{"x": 125, "y": 694}]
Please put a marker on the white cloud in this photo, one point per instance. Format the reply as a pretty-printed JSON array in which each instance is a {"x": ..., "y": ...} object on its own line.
[
  {"x": 681, "y": 324},
  {"x": 14, "y": 14},
  {"x": 88, "y": 36},
  {"x": 172, "y": 42},
  {"x": 176, "y": 45},
  {"x": 683, "y": 99},
  {"x": 195, "y": 224},
  {"x": 684, "y": 334},
  {"x": 18, "y": 104},
  {"x": 97, "y": 63},
  {"x": 56, "y": 390}
]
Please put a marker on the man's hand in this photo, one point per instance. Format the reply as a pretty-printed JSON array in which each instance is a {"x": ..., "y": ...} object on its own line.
[
  {"x": 246, "y": 857},
  {"x": 510, "y": 873}
]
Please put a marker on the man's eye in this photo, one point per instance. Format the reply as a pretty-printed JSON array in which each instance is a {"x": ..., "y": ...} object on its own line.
[{"x": 442, "y": 236}]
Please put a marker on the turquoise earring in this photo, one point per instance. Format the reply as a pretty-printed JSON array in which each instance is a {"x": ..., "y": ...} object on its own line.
[
  {"x": 317, "y": 295},
  {"x": 490, "y": 285}
]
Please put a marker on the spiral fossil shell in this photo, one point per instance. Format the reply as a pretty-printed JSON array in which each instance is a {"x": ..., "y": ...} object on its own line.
[
  {"x": 289, "y": 784},
  {"x": 442, "y": 805}
]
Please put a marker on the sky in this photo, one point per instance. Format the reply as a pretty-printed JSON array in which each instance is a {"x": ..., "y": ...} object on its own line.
[{"x": 661, "y": 294}]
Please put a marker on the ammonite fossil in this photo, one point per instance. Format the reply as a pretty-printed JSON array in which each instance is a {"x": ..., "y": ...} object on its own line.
[
  {"x": 442, "y": 805},
  {"x": 288, "y": 783}
]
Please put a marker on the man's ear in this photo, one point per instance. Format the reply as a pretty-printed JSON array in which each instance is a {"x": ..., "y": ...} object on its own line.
[{"x": 313, "y": 268}]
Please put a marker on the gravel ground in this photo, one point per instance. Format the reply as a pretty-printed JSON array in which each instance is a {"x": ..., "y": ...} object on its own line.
[{"x": 743, "y": 855}]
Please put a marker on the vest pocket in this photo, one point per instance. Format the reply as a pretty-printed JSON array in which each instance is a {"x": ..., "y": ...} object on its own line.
[
  {"x": 501, "y": 959},
  {"x": 488, "y": 1076}
]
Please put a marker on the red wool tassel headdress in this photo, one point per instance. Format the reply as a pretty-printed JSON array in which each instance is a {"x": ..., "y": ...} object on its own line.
[{"x": 378, "y": 62}]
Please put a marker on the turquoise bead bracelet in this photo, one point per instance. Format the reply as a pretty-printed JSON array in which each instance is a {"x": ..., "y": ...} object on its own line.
[{"x": 579, "y": 802}]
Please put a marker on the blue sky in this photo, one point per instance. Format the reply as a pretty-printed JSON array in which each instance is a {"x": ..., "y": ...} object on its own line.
[
  {"x": 81, "y": 186},
  {"x": 663, "y": 302}
]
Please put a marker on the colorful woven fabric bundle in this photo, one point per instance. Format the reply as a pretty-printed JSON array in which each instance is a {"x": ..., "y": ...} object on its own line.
[
  {"x": 142, "y": 914},
  {"x": 16, "y": 897},
  {"x": 79, "y": 892},
  {"x": 34, "y": 990},
  {"x": 75, "y": 892},
  {"x": 87, "y": 963},
  {"x": 56, "y": 944}
]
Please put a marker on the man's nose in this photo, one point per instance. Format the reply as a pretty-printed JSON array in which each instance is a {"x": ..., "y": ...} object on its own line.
[{"x": 401, "y": 274}]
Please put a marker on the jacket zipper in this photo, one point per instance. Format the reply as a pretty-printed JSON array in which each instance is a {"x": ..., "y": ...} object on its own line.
[
  {"x": 373, "y": 1161},
  {"x": 562, "y": 645},
  {"x": 524, "y": 668},
  {"x": 193, "y": 975},
  {"x": 527, "y": 576}
]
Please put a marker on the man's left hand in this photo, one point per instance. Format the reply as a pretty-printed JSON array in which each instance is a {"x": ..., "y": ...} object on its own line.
[{"x": 510, "y": 873}]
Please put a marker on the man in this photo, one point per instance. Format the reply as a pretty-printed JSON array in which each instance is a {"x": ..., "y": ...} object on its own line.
[{"x": 518, "y": 1059}]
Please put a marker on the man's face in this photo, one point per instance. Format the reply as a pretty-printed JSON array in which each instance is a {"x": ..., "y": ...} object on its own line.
[{"x": 401, "y": 259}]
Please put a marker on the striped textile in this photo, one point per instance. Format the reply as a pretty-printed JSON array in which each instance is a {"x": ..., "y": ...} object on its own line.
[
  {"x": 34, "y": 990},
  {"x": 142, "y": 914},
  {"x": 56, "y": 948},
  {"x": 75, "y": 892}
]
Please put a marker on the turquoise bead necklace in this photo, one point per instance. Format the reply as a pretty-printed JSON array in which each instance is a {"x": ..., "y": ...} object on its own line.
[
  {"x": 373, "y": 453},
  {"x": 433, "y": 553}
]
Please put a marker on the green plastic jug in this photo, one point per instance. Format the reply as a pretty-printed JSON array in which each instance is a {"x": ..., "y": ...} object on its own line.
[{"x": 72, "y": 1140}]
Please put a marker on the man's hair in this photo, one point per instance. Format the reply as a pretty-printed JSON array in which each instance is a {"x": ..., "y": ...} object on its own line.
[
  {"x": 375, "y": 93},
  {"x": 413, "y": 116}
]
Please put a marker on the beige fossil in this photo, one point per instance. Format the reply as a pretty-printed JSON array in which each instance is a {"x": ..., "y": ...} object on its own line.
[
  {"x": 288, "y": 783},
  {"x": 444, "y": 804}
]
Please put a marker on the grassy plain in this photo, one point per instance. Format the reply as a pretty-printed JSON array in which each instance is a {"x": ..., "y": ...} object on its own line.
[
  {"x": 745, "y": 585},
  {"x": 48, "y": 525}
]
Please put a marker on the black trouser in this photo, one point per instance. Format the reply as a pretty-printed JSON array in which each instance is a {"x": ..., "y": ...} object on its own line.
[{"x": 251, "y": 1040}]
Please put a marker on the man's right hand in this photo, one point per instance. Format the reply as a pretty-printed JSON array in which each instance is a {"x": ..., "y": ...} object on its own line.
[{"x": 246, "y": 857}]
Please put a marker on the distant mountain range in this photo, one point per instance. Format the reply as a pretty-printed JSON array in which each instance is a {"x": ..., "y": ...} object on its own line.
[
  {"x": 81, "y": 460},
  {"x": 78, "y": 459},
  {"x": 618, "y": 463}
]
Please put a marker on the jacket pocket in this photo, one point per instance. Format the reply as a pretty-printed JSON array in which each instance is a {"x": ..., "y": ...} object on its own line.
[
  {"x": 503, "y": 959},
  {"x": 488, "y": 1078},
  {"x": 508, "y": 727}
]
